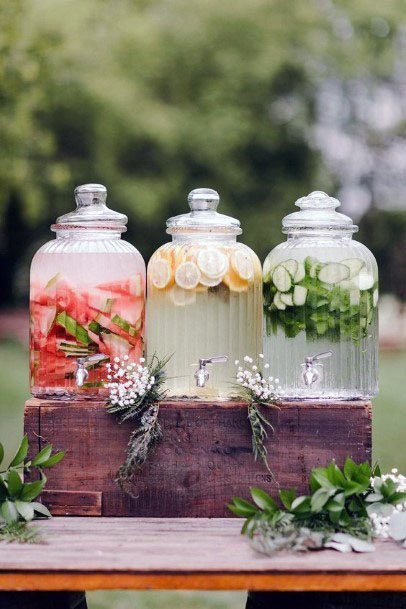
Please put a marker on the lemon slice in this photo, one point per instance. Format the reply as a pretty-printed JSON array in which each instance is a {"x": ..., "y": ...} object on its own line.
[
  {"x": 160, "y": 273},
  {"x": 210, "y": 282},
  {"x": 181, "y": 297},
  {"x": 243, "y": 265},
  {"x": 212, "y": 263},
  {"x": 187, "y": 275}
]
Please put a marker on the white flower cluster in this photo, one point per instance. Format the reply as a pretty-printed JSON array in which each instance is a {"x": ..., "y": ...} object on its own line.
[
  {"x": 127, "y": 382},
  {"x": 261, "y": 387},
  {"x": 381, "y": 521}
]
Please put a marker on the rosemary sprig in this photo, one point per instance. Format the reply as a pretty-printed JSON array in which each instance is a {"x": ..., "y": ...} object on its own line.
[
  {"x": 258, "y": 423},
  {"x": 258, "y": 390},
  {"x": 143, "y": 408}
]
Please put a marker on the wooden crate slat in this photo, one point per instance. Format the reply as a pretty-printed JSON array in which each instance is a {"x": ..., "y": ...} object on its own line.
[{"x": 205, "y": 456}]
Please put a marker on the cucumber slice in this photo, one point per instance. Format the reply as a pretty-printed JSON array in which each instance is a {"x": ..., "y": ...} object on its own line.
[
  {"x": 300, "y": 273},
  {"x": 287, "y": 299},
  {"x": 291, "y": 266},
  {"x": 312, "y": 266},
  {"x": 365, "y": 281},
  {"x": 299, "y": 295},
  {"x": 375, "y": 297},
  {"x": 282, "y": 279},
  {"x": 354, "y": 264},
  {"x": 365, "y": 304},
  {"x": 267, "y": 270},
  {"x": 333, "y": 273},
  {"x": 355, "y": 296},
  {"x": 278, "y": 302}
]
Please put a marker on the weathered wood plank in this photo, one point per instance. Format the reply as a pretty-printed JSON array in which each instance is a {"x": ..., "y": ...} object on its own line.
[
  {"x": 135, "y": 553},
  {"x": 205, "y": 456},
  {"x": 72, "y": 503}
]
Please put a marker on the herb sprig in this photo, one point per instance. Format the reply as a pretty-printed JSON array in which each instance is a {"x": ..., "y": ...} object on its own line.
[
  {"x": 135, "y": 392},
  {"x": 338, "y": 503},
  {"x": 17, "y": 505},
  {"x": 255, "y": 386}
]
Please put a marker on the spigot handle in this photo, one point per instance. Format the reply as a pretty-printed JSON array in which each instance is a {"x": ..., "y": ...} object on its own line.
[
  {"x": 217, "y": 359},
  {"x": 92, "y": 359},
  {"x": 322, "y": 355}
]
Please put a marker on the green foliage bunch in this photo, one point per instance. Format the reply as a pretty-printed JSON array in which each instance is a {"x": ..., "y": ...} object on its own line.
[
  {"x": 17, "y": 498},
  {"x": 338, "y": 502}
]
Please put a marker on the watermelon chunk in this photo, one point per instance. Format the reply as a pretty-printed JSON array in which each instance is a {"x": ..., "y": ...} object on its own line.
[
  {"x": 133, "y": 285},
  {"x": 128, "y": 308},
  {"x": 116, "y": 346},
  {"x": 43, "y": 318}
]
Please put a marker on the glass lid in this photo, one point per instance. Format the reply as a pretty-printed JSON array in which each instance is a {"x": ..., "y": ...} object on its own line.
[
  {"x": 91, "y": 211},
  {"x": 317, "y": 211},
  {"x": 203, "y": 217}
]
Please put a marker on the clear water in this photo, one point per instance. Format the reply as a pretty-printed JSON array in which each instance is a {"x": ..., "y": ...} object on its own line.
[
  {"x": 351, "y": 371},
  {"x": 211, "y": 322}
]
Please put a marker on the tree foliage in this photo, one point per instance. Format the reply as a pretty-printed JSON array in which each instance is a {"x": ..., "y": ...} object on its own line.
[{"x": 154, "y": 98}]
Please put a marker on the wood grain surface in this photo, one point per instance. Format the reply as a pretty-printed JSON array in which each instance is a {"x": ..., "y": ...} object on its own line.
[
  {"x": 137, "y": 553},
  {"x": 205, "y": 457}
]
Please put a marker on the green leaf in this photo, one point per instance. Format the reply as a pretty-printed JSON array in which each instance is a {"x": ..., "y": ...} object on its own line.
[
  {"x": 243, "y": 508},
  {"x": 25, "y": 509},
  {"x": 9, "y": 512},
  {"x": 376, "y": 471},
  {"x": 40, "y": 508},
  {"x": 319, "y": 499},
  {"x": 42, "y": 456},
  {"x": 1, "y": 453},
  {"x": 372, "y": 497},
  {"x": 54, "y": 459},
  {"x": 352, "y": 488},
  {"x": 335, "y": 475},
  {"x": 397, "y": 497},
  {"x": 263, "y": 500},
  {"x": 21, "y": 453},
  {"x": 14, "y": 484},
  {"x": 31, "y": 490},
  {"x": 321, "y": 476},
  {"x": 300, "y": 505},
  {"x": 350, "y": 467},
  {"x": 287, "y": 497}
]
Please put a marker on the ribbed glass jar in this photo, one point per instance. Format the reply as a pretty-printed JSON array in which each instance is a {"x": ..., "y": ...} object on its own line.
[
  {"x": 320, "y": 306},
  {"x": 204, "y": 299},
  {"x": 87, "y": 301}
]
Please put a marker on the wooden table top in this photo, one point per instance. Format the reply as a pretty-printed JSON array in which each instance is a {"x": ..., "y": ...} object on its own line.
[{"x": 184, "y": 553}]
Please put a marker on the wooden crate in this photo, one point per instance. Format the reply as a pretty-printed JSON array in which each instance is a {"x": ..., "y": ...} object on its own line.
[{"x": 203, "y": 460}]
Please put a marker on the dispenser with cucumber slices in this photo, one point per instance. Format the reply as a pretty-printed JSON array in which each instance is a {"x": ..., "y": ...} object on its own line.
[
  {"x": 321, "y": 295},
  {"x": 87, "y": 301}
]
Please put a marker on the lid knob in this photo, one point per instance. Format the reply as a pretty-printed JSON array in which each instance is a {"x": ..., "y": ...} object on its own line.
[
  {"x": 317, "y": 200},
  {"x": 202, "y": 199},
  {"x": 90, "y": 194}
]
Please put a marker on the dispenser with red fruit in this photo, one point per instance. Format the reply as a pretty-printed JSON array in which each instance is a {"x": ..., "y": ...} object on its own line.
[{"x": 87, "y": 300}]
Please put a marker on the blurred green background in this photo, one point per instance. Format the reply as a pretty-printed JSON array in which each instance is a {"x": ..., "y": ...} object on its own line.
[{"x": 263, "y": 100}]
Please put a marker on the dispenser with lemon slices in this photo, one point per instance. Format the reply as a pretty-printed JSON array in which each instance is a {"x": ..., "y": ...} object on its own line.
[
  {"x": 320, "y": 306},
  {"x": 204, "y": 300}
]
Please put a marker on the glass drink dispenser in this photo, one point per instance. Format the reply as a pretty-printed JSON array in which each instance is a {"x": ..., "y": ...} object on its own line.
[
  {"x": 204, "y": 300},
  {"x": 87, "y": 300},
  {"x": 320, "y": 306}
]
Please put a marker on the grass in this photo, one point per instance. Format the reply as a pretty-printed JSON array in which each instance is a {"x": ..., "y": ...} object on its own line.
[{"x": 389, "y": 438}]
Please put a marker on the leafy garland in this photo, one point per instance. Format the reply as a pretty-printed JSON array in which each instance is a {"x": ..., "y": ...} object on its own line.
[
  {"x": 340, "y": 512},
  {"x": 135, "y": 391},
  {"x": 258, "y": 389},
  {"x": 17, "y": 505}
]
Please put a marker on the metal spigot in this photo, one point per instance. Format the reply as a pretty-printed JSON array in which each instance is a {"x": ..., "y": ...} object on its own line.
[
  {"x": 81, "y": 373},
  {"x": 202, "y": 374},
  {"x": 311, "y": 367}
]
